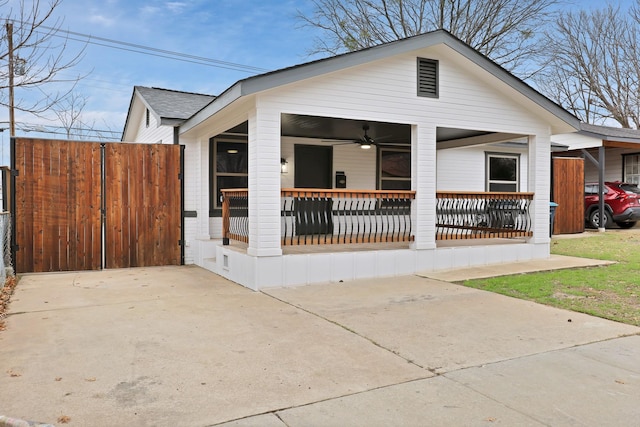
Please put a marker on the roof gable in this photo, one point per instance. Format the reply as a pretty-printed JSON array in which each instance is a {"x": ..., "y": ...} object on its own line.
[
  {"x": 172, "y": 104},
  {"x": 320, "y": 67},
  {"x": 171, "y": 107}
]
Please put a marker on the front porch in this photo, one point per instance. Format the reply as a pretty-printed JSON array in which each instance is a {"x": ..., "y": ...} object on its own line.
[
  {"x": 399, "y": 200},
  {"x": 340, "y": 235}
]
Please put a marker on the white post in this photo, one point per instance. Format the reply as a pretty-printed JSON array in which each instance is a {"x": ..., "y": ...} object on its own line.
[
  {"x": 203, "y": 193},
  {"x": 540, "y": 184},
  {"x": 423, "y": 178},
  {"x": 264, "y": 183}
]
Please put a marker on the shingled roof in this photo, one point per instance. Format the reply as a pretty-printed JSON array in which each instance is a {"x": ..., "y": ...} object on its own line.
[
  {"x": 172, "y": 104},
  {"x": 610, "y": 133}
]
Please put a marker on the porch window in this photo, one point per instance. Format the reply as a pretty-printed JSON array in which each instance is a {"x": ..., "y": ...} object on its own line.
[
  {"x": 503, "y": 172},
  {"x": 631, "y": 171},
  {"x": 229, "y": 166},
  {"x": 394, "y": 169}
]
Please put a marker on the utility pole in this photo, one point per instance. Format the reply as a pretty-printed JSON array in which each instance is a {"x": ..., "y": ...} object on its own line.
[{"x": 12, "y": 120}]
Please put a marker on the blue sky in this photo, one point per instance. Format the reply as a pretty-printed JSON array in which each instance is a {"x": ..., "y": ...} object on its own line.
[{"x": 259, "y": 33}]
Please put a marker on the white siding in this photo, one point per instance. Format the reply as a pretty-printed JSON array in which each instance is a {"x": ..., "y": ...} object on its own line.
[
  {"x": 358, "y": 165},
  {"x": 464, "y": 169},
  {"x": 154, "y": 133},
  {"x": 386, "y": 91}
]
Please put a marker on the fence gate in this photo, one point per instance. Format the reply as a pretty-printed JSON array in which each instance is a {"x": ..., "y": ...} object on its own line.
[
  {"x": 568, "y": 192},
  {"x": 86, "y": 205}
]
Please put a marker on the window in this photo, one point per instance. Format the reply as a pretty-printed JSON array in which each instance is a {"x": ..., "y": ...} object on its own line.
[
  {"x": 228, "y": 166},
  {"x": 427, "y": 77},
  {"x": 503, "y": 172},
  {"x": 146, "y": 118},
  {"x": 631, "y": 168},
  {"x": 394, "y": 169},
  {"x": 592, "y": 189}
]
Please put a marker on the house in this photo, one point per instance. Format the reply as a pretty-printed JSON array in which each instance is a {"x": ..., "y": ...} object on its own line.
[
  {"x": 416, "y": 155},
  {"x": 619, "y": 147}
]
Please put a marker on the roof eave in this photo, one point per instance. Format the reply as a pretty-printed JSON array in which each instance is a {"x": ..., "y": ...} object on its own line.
[
  {"x": 170, "y": 121},
  {"x": 224, "y": 99},
  {"x": 603, "y": 137}
]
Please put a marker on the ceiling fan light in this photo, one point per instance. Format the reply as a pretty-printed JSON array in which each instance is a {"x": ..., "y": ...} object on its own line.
[{"x": 365, "y": 146}]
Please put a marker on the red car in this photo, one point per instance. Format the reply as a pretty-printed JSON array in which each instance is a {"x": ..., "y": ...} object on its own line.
[{"x": 621, "y": 204}]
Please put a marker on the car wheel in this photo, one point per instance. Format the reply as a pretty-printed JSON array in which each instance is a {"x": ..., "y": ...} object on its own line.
[
  {"x": 626, "y": 224},
  {"x": 594, "y": 218}
]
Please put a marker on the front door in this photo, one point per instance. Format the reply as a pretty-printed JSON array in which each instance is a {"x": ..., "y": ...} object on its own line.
[{"x": 313, "y": 168}]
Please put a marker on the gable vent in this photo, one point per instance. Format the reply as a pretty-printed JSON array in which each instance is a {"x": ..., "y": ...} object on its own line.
[{"x": 427, "y": 77}]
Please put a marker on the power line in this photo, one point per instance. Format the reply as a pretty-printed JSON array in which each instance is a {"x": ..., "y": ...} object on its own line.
[{"x": 147, "y": 50}]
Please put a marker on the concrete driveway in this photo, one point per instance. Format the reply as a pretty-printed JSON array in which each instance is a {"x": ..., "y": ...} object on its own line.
[{"x": 179, "y": 346}]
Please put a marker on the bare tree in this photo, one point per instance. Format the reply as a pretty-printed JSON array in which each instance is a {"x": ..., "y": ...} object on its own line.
[
  {"x": 507, "y": 31},
  {"x": 69, "y": 112},
  {"x": 593, "y": 67},
  {"x": 40, "y": 53}
]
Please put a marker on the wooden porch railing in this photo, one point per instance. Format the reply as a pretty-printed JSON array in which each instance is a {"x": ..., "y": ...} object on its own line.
[
  {"x": 235, "y": 215},
  {"x": 465, "y": 215},
  {"x": 318, "y": 216}
]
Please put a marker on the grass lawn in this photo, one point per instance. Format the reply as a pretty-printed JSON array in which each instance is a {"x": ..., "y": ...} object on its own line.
[{"x": 612, "y": 291}]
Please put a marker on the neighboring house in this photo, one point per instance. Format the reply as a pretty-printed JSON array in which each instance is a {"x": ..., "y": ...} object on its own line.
[
  {"x": 155, "y": 114},
  {"x": 619, "y": 147},
  {"x": 368, "y": 164}
]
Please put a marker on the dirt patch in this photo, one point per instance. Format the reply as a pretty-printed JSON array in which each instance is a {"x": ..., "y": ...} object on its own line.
[
  {"x": 5, "y": 298},
  {"x": 623, "y": 307}
]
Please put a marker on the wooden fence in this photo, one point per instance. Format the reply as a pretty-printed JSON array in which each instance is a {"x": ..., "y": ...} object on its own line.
[{"x": 86, "y": 206}]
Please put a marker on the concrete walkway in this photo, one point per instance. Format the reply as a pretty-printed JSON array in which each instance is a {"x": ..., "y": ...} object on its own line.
[{"x": 179, "y": 346}]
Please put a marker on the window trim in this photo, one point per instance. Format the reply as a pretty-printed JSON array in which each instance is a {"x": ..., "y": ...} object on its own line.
[
  {"x": 624, "y": 168},
  {"x": 488, "y": 181},
  {"x": 379, "y": 177},
  {"x": 214, "y": 209}
]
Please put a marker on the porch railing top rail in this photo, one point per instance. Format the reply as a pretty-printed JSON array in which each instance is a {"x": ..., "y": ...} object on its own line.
[
  {"x": 491, "y": 195},
  {"x": 322, "y": 192}
]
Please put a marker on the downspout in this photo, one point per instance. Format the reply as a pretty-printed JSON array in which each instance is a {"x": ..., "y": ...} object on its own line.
[
  {"x": 176, "y": 135},
  {"x": 176, "y": 141}
]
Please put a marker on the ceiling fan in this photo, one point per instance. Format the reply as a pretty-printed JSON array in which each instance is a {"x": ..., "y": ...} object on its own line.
[{"x": 365, "y": 140}]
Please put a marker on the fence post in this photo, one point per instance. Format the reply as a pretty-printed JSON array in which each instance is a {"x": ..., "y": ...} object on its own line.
[{"x": 226, "y": 222}]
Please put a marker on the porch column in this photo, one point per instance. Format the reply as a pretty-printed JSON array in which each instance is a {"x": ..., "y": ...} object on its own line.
[
  {"x": 264, "y": 183},
  {"x": 540, "y": 183},
  {"x": 423, "y": 179},
  {"x": 202, "y": 192}
]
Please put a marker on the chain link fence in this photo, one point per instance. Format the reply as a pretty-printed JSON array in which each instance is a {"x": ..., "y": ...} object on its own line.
[{"x": 6, "y": 263}]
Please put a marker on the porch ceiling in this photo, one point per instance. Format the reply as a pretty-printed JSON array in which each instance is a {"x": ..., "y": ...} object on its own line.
[
  {"x": 296, "y": 125},
  {"x": 337, "y": 129},
  {"x": 343, "y": 129}
]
